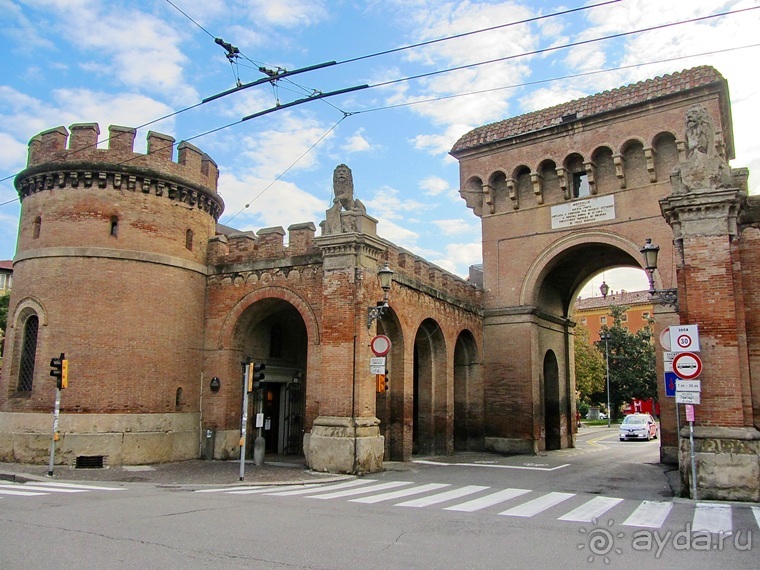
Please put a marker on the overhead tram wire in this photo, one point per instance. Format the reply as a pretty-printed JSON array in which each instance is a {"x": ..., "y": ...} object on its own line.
[
  {"x": 551, "y": 79},
  {"x": 281, "y": 74},
  {"x": 286, "y": 73},
  {"x": 284, "y": 172},
  {"x": 564, "y": 46}
]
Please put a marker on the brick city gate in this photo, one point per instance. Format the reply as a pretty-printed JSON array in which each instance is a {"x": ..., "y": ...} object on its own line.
[{"x": 565, "y": 192}]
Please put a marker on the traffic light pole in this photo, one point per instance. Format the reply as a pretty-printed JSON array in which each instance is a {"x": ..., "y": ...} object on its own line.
[
  {"x": 55, "y": 430},
  {"x": 244, "y": 421}
]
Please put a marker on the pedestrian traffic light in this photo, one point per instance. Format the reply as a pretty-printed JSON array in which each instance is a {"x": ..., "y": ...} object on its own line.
[
  {"x": 258, "y": 374},
  {"x": 59, "y": 369}
]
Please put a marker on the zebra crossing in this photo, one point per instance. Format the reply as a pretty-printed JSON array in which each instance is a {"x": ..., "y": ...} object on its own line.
[
  {"x": 512, "y": 502},
  {"x": 41, "y": 488}
]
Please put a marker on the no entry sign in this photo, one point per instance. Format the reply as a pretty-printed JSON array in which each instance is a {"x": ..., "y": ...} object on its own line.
[{"x": 687, "y": 365}]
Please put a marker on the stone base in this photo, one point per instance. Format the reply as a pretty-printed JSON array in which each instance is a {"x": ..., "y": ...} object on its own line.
[
  {"x": 336, "y": 446},
  {"x": 511, "y": 445},
  {"x": 121, "y": 439},
  {"x": 669, "y": 455},
  {"x": 727, "y": 463}
]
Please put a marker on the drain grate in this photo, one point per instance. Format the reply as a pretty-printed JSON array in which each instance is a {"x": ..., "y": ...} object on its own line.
[{"x": 90, "y": 461}]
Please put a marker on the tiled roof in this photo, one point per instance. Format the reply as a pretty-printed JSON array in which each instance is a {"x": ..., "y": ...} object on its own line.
[
  {"x": 633, "y": 94},
  {"x": 621, "y": 298},
  {"x": 6, "y": 264}
]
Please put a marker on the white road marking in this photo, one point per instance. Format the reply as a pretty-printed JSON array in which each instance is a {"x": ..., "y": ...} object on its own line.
[
  {"x": 538, "y": 505},
  {"x": 591, "y": 510},
  {"x": 228, "y": 489},
  {"x": 715, "y": 518},
  {"x": 77, "y": 486},
  {"x": 401, "y": 493},
  {"x": 523, "y": 467},
  {"x": 255, "y": 490},
  {"x": 361, "y": 490},
  {"x": 488, "y": 500},
  {"x": 649, "y": 514},
  {"x": 443, "y": 497}
]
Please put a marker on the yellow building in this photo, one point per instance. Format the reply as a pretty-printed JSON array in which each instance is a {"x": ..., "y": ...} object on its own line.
[{"x": 594, "y": 312}]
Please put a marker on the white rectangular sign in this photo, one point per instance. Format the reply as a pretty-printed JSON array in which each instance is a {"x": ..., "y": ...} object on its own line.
[
  {"x": 684, "y": 338},
  {"x": 377, "y": 365},
  {"x": 667, "y": 360},
  {"x": 583, "y": 212},
  {"x": 688, "y": 385},
  {"x": 687, "y": 397}
]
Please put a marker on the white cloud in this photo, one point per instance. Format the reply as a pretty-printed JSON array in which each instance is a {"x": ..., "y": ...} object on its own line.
[
  {"x": 399, "y": 235},
  {"x": 357, "y": 143},
  {"x": 459, "y": 256},
  {"x": 435, "y": 185},
  {"x": 386, "y": 204},
  {"x": 456, "y": 227},
  {"x": 289, "y": 14}
]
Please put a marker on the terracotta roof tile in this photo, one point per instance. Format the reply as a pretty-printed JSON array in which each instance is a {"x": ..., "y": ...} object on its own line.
[
  {"x": 618, "y": 98},
  {"x": 6, "y": 264},
  {"x": 621, "y": 298}
]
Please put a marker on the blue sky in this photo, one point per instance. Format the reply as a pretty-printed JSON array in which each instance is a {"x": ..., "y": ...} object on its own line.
[{"x": 128, "y": 63}]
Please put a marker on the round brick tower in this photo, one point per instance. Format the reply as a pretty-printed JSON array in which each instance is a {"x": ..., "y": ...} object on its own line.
[{"x": 110, "y": 270}]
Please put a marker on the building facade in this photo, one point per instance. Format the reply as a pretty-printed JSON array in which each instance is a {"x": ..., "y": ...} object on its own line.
[{"x": 170, "y": 307}]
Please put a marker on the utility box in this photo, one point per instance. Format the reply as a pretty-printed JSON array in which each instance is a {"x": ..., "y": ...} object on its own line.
[{"x": 209, "y": 441}]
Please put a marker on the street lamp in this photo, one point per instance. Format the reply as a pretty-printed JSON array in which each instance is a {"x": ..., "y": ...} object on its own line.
[
  {"x": 604, "y": 289},
  {"x": 667, "y": 296},
  {"x": 385, "y": 276},
  {"x": 606, "y": 337}
]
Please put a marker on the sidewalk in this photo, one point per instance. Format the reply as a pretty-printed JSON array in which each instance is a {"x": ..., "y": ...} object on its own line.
[{"x": 275, "y": 471}]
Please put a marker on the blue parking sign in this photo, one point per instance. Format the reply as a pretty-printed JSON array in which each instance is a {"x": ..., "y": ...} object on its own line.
[{"x": 670, "y": 384}]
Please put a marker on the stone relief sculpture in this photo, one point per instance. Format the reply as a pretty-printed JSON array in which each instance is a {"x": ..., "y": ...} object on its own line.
[
  {"x": 704, "y": 168},
  {"x": 343, "y": 201}
]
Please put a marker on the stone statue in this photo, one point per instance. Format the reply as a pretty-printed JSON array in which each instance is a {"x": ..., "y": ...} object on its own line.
[
  {"x": 343, "y": 189},
  {"x": 704, "y": 168}
]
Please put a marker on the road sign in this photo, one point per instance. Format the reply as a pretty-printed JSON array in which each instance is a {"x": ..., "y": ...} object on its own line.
[
  {"x": 377, "y": 365},
  {"x": 670, "y": 384},
  {"x": 665, "y": 338},
  {"x": 687, "y": 366},
  {"x": 684, "y": 338},
  {"x": 689, "y": 385},
  {"x": 380, "y": 346},
  {"x": 689, "y": 413},
  {"x": 687, "y": 397},
  {"x": 667, "y": 360}
]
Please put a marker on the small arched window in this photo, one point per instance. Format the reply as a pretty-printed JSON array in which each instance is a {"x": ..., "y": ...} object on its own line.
[
  {"x": 189, "y": 239},
  {"x": 28, "y": 354},
  {"x": 114, "y": 226},
  {"x": 37, "y": 227}
]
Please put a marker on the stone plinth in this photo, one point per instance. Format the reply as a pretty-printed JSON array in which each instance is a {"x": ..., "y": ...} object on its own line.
[{"x": 345, "y": 445}]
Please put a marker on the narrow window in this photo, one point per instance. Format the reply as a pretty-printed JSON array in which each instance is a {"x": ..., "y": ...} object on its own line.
[
  {"x": 581, "y": 188},
  {"x": 603, "y": 320},
  {"x": 645, "y": 315},
  {"x": 178, "y": 398},
  {"x": 583, "y": 321},
  {"x": 37, "y": 227},
  {"x": 624, "y": 317},
  {"x": 189, "y": 240},
  {"x": 114, "y": 226},
  {"x": 28, "y": 354}
]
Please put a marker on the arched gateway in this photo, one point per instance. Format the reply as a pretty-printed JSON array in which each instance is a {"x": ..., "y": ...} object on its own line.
[{"x": 563, "y": 193}]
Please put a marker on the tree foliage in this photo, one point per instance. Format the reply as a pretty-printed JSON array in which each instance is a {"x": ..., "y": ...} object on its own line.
[
  {"x": 589, "y": 368},
  {"x": 632, "y": 362}
]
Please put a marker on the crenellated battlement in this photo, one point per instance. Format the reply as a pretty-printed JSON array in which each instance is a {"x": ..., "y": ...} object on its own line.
[
  {"x": 81, "y": 145},
  {"x": 266, "y": 244},
  {"x": 59, "y": 159}
]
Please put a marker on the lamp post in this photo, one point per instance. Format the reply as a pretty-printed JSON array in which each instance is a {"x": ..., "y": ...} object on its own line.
[
  {"x": 385, "y": 276},
  {"x": 604, "y": 289},
  {"x": 606, "y": 336},
  {"x": 667, "y": 296}
]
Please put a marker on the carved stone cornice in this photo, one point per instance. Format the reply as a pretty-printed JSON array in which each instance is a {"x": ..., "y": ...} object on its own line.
[
  {"x": 124, "y": 177},
  {"x": 712, "y": 213}
]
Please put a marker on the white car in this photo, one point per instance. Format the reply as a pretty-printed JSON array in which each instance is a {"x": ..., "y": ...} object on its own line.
[
  {"x": 638, "y": 426},
  {"x": 602, "y": 416}
]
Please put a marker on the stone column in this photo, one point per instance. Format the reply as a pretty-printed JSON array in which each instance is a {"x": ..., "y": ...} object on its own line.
[{"x": 345, "y": 437}]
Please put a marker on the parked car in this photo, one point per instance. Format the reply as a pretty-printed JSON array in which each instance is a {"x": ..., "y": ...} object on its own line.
[
  {"x": 638, "y": 426},
  {"x": 602, "y": 416}
]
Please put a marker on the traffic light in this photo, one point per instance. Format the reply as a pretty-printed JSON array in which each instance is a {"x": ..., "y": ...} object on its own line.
[
  {"x": 258, "y": 374},
  {"x": 387, "y": 380},
  {"x": 255, "y": 375},
  {"x": 382, "y": 383},
  {"x": 59, "y": 369}
]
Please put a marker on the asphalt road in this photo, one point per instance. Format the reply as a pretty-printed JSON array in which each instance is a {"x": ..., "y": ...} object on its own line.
[{"x": 443, "y": 513}]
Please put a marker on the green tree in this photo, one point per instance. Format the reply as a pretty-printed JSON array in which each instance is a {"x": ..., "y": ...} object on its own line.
[
  {"x": 632, "y": 362},
  {"x": 589, "y": 368}
]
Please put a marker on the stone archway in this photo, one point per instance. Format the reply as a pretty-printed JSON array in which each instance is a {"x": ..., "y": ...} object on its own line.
[
  {"x": 431, "y": 431},
  {"x": 468, "y": 394}
]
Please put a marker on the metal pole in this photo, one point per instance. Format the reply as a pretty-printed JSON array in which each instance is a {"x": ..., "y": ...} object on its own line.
[
  {"x": 607, "y": 354},
  {"x": 693, "y": 463},
  {"x": 244, "y": 420},
  {"x": 55, "y": 431}
]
